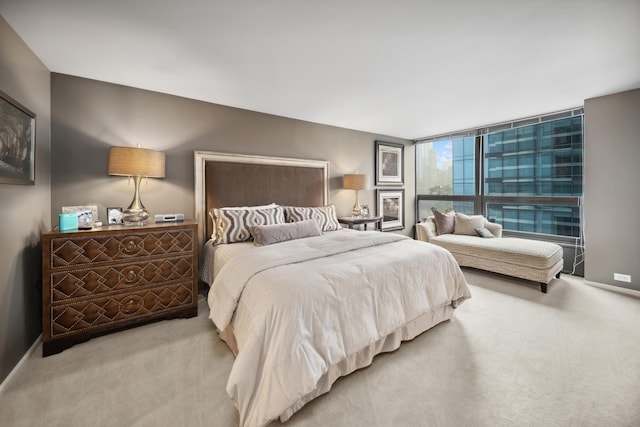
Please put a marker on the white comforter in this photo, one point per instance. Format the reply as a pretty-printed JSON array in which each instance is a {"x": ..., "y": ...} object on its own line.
[{"x": 300, "y": 307}]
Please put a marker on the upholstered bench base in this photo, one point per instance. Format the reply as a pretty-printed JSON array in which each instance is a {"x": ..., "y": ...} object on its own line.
[
  {"x": 523, "y": 258},
  {"x": 514, "y": 270}
]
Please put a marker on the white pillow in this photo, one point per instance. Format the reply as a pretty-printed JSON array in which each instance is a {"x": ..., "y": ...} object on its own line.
[{"x": 467, "y": 224}]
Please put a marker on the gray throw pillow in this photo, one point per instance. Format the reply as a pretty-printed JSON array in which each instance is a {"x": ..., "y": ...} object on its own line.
[
  {"x": 269, "y": 234},
  {"x": 484, "y": 233}
]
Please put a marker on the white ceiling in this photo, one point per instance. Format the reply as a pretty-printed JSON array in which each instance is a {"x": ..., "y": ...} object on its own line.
[{"x": 401, "y": 68}]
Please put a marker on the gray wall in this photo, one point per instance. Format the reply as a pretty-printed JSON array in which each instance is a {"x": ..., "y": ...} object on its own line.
[
  {"x": 25, "y": 210},
  {"x": 612, "y": 197},
  {"x": 89, "y": 116}
]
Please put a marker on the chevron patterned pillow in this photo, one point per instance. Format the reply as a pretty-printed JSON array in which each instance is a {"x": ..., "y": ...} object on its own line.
[
  {"x": 324, "y": 215},
  {"x": 231, "y": 225}
]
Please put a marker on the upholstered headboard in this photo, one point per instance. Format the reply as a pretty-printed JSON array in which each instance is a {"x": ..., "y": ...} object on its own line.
[{"x": 223, "y": 179}]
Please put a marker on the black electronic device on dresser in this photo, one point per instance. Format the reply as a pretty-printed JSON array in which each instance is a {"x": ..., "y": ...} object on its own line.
[{"x": 117, "y": 277}]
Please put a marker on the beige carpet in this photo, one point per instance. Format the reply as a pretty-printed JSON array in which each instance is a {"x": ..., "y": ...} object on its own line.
[{"x": 512, "y": 357}]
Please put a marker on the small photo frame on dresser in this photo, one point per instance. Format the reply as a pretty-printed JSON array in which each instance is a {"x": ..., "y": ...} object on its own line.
[
  {"x": 114, "y": 216},
  {"x": 87, "y": 215}
]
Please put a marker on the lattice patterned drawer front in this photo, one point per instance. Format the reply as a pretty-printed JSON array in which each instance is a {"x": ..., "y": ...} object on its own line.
[
  {"x": 78, "y": 283},
  {"x": 94, "y": 249},
  {"x": 89, "y": 314},
  {"x": 112, "y": 278}
]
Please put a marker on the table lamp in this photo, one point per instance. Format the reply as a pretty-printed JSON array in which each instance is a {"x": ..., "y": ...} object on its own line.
[
  {"x": 137, "y": 163},
  {"x": 356, "y": 182}
]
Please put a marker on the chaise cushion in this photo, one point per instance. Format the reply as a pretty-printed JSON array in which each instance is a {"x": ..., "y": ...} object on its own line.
[{"x": 510, "y": 250}]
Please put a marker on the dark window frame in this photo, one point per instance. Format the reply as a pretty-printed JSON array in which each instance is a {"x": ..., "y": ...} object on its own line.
[{"x": 480, "y": 200}]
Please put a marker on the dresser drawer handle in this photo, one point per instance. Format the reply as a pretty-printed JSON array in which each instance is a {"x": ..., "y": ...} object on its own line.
[
  {"x": 131, "y": 276},
  {"x": 131, "y": 304},
  {"x": 131, "y": 246}
]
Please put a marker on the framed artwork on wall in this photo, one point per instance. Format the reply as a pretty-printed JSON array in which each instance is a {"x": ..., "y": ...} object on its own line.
[
  {"x": 17, "y": 142},
  {"x": 389, "y": 163},
  {"x": 391, "y": 209}
]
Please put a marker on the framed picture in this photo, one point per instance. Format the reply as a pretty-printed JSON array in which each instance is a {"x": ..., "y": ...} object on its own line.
[
  {"x": 17, "y": 142},
  {"x": 86, "y": 214},
  {"x": 391, "y": 209},
  {"x": 114, "y": 216},
  {"x": 389, "y": 163}
]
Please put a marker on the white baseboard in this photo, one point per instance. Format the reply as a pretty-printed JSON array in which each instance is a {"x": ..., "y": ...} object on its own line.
[
  {"x": 612, "y": 288},
  {"x": 15, "y": 369}
]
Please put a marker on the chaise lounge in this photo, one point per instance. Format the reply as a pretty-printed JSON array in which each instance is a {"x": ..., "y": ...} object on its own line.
[{"x": 476, "y": 242}]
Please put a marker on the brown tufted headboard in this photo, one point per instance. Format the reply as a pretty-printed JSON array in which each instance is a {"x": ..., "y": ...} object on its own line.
[{"x": 223, "y": 179}]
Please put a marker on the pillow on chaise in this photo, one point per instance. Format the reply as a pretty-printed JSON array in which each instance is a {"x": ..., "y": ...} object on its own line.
[
  {"x": 444, "y": 222},
  {"x": 467, "y": 225},
  {"x": 484, "y": 233}
]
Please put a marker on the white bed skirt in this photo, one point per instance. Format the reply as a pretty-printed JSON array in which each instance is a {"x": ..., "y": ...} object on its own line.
[{"x": 364, "y": 357}]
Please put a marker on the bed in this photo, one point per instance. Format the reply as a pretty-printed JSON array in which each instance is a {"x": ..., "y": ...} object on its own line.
[{"x": 306, "y": 302}]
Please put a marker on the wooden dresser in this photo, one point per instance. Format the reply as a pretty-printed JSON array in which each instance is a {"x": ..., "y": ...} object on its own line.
[{"x": 114, "y": 278}]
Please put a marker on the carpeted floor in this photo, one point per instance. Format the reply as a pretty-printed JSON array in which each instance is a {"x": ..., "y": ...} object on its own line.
[{"x": 512, "y": 357}]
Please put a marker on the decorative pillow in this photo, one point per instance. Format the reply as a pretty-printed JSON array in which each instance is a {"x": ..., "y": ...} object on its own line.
[
  {"x": 444, "y": 222},
  {"x": 213, "y": 228},
  {"x": 484, "y": 233},
  {"x": 324, "y": 215},
  {"x": 232, "y": 225},
  {"x": 268, "y": 234},
  {"x": 467, "y": 224}
]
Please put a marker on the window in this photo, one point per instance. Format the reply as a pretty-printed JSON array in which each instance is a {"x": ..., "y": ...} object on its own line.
[
  {"x": 538, "y": 160},
  {"x": 449, "y": 167},
  {"x": 525, "y": 175},
  {"x": 448, "y": 178}
]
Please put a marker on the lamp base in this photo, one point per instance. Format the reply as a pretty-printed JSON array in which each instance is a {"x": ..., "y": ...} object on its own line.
[
  {"x": 135, "y": 216},
  {"x": 357, "y": 210}
]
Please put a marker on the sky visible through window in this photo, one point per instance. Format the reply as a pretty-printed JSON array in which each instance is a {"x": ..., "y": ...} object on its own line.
[{"x": 444, "y": 153}]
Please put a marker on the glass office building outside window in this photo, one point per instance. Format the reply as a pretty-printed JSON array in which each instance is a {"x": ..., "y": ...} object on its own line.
[
  {"x": 540, "y": 160},
  {"x": 530, "y": 174}
]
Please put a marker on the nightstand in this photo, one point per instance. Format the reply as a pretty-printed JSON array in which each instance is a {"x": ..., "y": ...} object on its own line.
[
  {"x": 116, "y": 277},
  {"x": 357, "y": 220}
]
